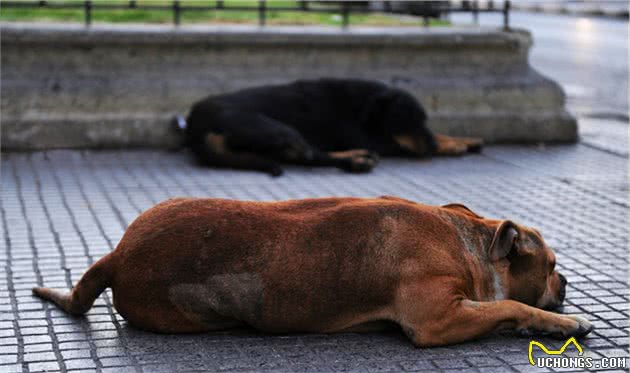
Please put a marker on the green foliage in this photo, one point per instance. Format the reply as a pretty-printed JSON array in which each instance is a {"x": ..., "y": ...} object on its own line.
[{"x": 198, "y": 16}]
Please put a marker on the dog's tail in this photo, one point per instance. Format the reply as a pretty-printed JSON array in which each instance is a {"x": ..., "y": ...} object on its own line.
[
  {"x": 77, "y": 302},
  {"x": 179, "y": 123},
  {"x": 178, "y": 129}
]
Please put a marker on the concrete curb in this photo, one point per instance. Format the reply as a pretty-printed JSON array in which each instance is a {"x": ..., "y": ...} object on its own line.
[{"x": 117, "y": 86}]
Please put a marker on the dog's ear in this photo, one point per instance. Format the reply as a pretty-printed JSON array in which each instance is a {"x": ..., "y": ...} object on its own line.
[
  {"x": 462, "y": 208},
  {"x": 504, "y": 241}
]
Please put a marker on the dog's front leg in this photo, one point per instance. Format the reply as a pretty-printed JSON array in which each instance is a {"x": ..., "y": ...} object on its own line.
[
  {"x": 470, "y": 319},
  {"x": 357, "y": 160},
  {"x": 448, "y": 145}
]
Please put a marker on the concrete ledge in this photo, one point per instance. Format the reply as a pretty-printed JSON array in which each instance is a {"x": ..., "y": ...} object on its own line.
[{"x": 115, "y": 86}]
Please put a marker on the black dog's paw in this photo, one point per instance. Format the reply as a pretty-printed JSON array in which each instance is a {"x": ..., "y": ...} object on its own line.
[
  {"x": 374, "y": 157},
  {"x": 355, "y": 160},
  {"x": 475, "y": 148},
  {"x": 473, "y": 144},
  {"x": 361, "y": 163}
]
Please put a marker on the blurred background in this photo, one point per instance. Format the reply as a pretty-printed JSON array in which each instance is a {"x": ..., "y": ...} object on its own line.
[
  {"x": 582, "y": 45},
  {"x": 88, "y": 89}
]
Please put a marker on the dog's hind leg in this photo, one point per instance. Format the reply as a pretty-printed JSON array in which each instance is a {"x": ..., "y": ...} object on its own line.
[
  {"x": 212, "y": 157},
  {"x": 246, "y": 161},
  {"x": 282, "y": 142}
]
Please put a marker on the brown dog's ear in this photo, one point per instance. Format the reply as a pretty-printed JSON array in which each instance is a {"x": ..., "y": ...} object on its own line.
[
  {"x": 504, "y": 241},
  {"x": 462, "y": 208}
]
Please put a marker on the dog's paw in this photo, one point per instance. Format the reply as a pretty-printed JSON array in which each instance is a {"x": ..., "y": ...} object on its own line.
[
  {"x": 355, "y": 160},
  {"x": 475, "y": 147},
  {"x": 362, "y": 163},
  {"x": 373, "y": 156},
  {"x": 525, "y": 332},
  {"x": 576, "y": 327},
  {"x": 453, "y": 149},
  {"x": 582, "y": 327}
]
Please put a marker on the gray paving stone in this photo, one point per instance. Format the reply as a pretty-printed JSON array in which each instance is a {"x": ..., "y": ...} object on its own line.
[
  {"x": 47, "y": 366},
  {"x": 79, "y": 363},
  {"x": 62, "y": 210},
  {"x": 8, "y": 359},
  {"x": 40, "y": 356},
  {"x": 74, "y": 354},
  {"x": 8, "y": 349},
  {"x": 12, "y": 368},
  {"x": 483, "y": 361}
]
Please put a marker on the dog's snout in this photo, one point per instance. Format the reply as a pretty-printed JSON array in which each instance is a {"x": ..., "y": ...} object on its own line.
[
  {"x": 563, "y": 288},
  {"x": 563, "y": 280}
]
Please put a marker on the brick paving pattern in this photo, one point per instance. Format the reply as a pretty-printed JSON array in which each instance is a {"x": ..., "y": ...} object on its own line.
[{"x": 62, "y": 210}]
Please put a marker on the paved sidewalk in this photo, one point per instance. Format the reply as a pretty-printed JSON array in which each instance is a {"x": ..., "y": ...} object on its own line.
[{"x": 61, "y": 210}]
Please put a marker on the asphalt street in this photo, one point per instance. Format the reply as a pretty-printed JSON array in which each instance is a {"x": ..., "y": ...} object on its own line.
[{"x": 588, "y": 56}]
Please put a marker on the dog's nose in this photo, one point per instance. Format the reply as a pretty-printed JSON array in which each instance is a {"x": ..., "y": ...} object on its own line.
[
  {"x": 563, "y": 280},
  {"x": 563, "y": 288}
]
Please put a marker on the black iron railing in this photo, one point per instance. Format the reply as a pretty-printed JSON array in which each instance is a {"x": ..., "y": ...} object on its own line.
[{"x": 426, "y": 10}]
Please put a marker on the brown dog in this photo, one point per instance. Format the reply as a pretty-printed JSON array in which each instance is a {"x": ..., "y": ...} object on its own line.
[{"x": 444, "y": 274}]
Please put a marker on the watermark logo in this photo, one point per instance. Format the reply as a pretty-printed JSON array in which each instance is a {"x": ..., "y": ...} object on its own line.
[
  {"x": 552, "y": 352},
  {"x": 558, "y": 359}
]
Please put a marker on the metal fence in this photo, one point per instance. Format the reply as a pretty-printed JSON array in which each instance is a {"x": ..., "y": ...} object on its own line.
[{"x": 424, "y": 9}]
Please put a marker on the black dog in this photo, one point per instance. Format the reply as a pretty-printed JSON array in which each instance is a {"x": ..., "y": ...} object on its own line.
[{"x": 343, "y": 123}]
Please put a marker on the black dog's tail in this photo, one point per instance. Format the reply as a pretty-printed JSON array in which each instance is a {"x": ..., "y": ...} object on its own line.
[
  {"x": 178, "y": 128},
  {"x": 179, "y": 122}
]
